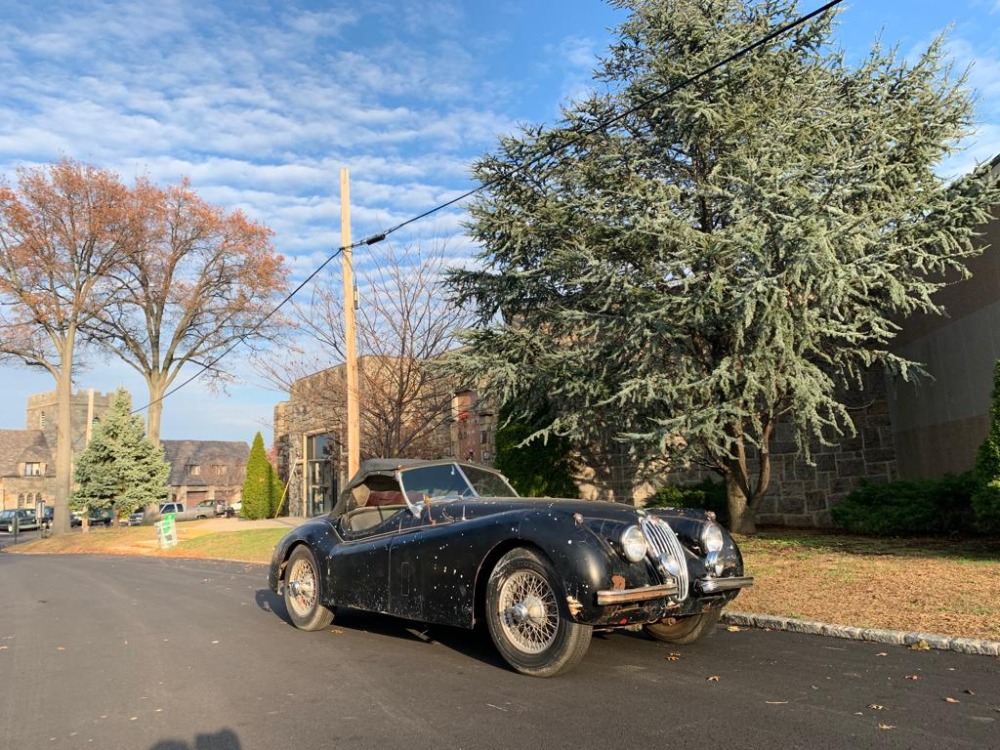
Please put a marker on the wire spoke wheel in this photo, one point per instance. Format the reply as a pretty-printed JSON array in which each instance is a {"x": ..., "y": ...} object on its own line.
[
  {"x": 302, "y": 587},
  {"x": 303, "y": 592},
  {"x": 528, "y": 612},
  {"x": 529, "y": 628}
]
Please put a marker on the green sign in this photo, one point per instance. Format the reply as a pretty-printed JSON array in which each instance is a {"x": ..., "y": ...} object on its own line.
[{"x": 166, "y": 531}]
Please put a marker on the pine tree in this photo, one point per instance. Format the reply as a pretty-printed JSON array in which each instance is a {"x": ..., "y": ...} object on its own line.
[
  {"x": 986, "y": 498},
  {"x": 120, "y": 468},
  {"x": 262, "y": 489},
  {"x": 694, "y": 267}
]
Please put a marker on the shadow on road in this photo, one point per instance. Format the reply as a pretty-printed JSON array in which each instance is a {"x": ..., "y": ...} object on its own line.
[
  {"x": 475, "y": 643},
  {"x": 224, "y": 740}
]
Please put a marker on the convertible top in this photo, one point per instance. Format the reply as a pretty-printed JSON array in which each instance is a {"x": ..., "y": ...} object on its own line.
[{"x": 381, "y": 467}]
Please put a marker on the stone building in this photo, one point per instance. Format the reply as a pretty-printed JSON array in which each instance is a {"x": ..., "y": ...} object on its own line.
[
  {"x": 310, "y": 438},
  {"x": 26, "y": 469},
  {"x": 27, "y": 457}
]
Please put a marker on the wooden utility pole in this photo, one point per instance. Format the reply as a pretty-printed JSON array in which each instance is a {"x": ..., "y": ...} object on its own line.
[{"x": 353, "y": 408}]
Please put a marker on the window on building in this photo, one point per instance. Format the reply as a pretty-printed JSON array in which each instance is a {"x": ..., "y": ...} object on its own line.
[
  {"x": 41, "y": 419},
  {"x": 219, "y": 469},
  {"x": 32, "y": 469},
  {"x": 194, "y": 470},
  {"x": 20, "y": 500}
]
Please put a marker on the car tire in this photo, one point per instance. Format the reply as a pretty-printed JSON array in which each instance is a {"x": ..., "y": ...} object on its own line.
[
  {"x": 684, "y": 630},
  {"x": 303, "y": 592},
  {"x": 526, "y": 620}
]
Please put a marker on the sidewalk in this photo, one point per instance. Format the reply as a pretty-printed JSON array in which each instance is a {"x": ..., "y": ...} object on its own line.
[{"x": 241, "y": 524}]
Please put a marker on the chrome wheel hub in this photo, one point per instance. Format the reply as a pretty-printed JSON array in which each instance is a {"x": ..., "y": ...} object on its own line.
[
  {"x": 302, "y": 587},
  {"x": 529, "y": 617}
]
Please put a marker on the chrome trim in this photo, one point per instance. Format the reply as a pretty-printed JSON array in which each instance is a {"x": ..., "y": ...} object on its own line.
[
  {"x": 712, "y": 585},
  {"x": 642, "y": 594},
  {"x": 663, "y": 542}
]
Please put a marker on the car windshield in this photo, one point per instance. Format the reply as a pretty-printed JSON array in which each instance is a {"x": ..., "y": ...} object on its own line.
[{"x": 450, "y": 480}]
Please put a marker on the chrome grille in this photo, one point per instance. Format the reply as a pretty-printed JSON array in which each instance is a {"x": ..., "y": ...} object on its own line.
[{"x": 663, "y": 543}]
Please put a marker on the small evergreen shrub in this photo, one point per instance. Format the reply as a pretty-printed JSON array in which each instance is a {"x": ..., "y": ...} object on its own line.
[
  {"x": 706, "y": 494},
  {"x": 904, "y": 508}
]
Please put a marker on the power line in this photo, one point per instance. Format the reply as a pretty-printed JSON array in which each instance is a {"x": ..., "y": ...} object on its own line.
[{"x": 552, "y": 151}]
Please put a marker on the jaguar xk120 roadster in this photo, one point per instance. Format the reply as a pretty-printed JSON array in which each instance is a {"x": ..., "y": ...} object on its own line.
[{"x": 452, "y": 543}]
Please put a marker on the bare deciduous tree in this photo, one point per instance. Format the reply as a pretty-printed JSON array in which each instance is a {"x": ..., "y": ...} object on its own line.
[
  {"x": 403, "y": 325},
  {"x": 198, "y": 281}
]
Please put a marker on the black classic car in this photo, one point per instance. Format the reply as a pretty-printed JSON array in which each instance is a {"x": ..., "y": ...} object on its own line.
[{"x": 452, "y": 543}]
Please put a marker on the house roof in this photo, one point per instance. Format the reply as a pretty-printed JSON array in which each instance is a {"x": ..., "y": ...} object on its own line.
[
  {"x": 181, "y": 454},
  {"x": 20, "y": 446}
]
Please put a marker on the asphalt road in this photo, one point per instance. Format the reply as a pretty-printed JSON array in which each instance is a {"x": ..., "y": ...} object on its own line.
[{"x": 143, "y": 653}]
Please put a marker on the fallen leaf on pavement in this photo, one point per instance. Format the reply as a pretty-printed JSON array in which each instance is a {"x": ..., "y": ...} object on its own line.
[
  {"x": 920, "y": 646},
  {"x": 969, "y": 692},
  {"x": 775, "y": 703},
  {"x": 876, "y": 707},
  {"x": 949, "y": 699},
  {"x": 734, "y": 628},
  {"x": 713, "y": 678},
  {"x": 886, "y": 726},
  {"x": 881, "y": 653},
  {"x": 913, "y": 677}
]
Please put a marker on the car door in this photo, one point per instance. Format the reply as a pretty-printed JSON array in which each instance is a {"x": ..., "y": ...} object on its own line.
[{"x": 358, "y": 568}]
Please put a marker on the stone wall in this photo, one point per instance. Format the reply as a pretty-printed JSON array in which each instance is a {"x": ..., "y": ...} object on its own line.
[{"x": 802, "y": 492}]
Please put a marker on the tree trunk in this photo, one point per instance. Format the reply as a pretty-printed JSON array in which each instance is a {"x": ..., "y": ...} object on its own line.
[
  {"x": 741, "y": 517},
  {"x": 155, "y": 415},
  {"x": 64, "y": 438}
]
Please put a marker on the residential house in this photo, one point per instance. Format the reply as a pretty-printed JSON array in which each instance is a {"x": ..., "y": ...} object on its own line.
[{"x": 206, "y": 470}]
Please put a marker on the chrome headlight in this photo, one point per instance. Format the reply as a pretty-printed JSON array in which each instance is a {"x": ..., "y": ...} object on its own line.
[
  {"x": 712, "y": 539},
  {"x": 633, "y": 543}
]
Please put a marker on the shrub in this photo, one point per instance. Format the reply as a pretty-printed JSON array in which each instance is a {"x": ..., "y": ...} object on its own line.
[
  {"x": 706, "y": 494},
  {"x": 986, "y": 499},
  {"x": 923, "y": 507}
]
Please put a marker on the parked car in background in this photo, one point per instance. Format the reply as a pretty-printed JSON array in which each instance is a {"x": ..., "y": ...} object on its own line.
[
  {"x": 24, "y": 518},
  {"x": 136, "y": 517},
  {"x": 181, "y": 513},
  {"x": 234, "y": 509},
  {"x": 542, "y": 572},
  {"x": 97, "y": 517},
  {"x": 212, "y": 507}
]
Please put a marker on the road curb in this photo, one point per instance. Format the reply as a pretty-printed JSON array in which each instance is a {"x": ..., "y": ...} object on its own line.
[{"x": 875, "y": 635}]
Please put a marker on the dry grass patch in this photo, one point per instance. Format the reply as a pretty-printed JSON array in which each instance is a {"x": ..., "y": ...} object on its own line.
[{"x": 934, "y": 586}]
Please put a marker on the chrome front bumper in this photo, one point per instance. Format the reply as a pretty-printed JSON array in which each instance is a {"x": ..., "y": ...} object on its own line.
[
  {"x": 642, "y": 594},
  {"x": 714, "y": 585}
]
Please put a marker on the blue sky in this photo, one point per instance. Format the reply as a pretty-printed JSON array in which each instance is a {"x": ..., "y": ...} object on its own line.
[{"x": 261, "y": 102}]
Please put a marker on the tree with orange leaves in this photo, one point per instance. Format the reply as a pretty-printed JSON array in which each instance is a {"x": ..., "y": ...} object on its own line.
[
  {"x": 198, "y": 282},
  {"x": 65, "y": 233},
  {"x": 155, "y": 275}
]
